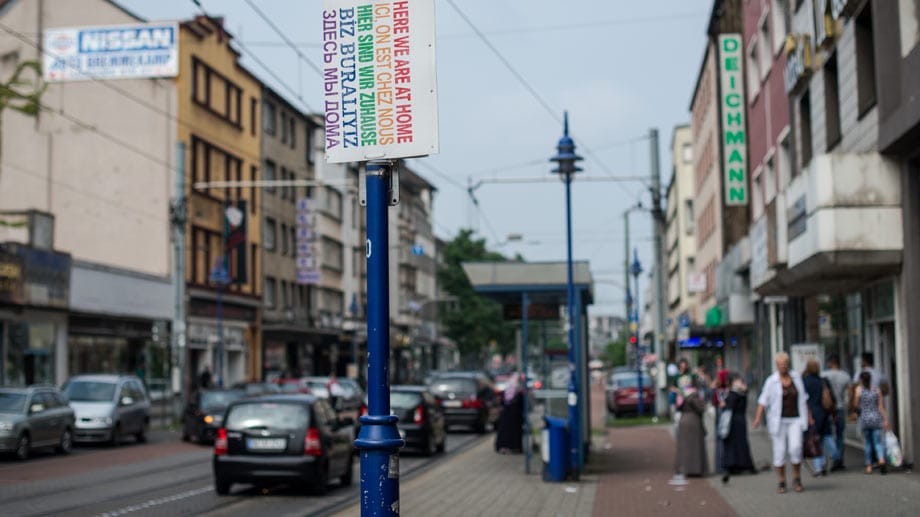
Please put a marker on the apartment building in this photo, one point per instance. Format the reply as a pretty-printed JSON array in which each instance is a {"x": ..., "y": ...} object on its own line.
[
  {"x": 219, "y": 124},
  {"x": 87, "y": 266},
  {"x": 684, "y": 280}
]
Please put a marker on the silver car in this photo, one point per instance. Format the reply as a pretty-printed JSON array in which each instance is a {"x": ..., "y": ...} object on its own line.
[
  {"x": 34, "y": 417},
  {"x": 108, "y": 407}
]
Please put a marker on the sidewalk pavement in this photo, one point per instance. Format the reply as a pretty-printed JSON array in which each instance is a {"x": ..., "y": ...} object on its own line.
[{"x": 628, "y": 474}]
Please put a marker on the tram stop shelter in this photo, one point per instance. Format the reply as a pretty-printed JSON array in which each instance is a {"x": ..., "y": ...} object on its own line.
[{"x": 541, "y": 288}]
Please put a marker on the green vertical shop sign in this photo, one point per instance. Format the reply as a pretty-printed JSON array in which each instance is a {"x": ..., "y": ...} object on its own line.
[{"x": 734, "y": 133}]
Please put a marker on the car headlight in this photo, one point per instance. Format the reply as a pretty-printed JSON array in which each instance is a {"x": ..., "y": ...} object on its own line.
[
  {"x": 6, "y": 426},
  {"x": 105, "y": 420},
  {"x": 208, "y": 419}
]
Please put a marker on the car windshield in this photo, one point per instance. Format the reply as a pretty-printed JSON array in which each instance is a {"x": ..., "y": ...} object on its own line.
[
  {"x": 268, "y": 415},
  {"x": 632, "y": 381},
  {"x": 90, "y": 391},
  {"x": 218, "y": 399},
  {"x": 12, "y": 402},
  {"x": 404, "y": 400},
  {"x": 453, "y": 385}
]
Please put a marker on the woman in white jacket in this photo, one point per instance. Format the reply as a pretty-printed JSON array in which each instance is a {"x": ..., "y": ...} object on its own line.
[{"x": 783, "y": 398}]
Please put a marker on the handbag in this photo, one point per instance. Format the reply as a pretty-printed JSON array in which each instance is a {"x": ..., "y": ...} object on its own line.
[
  {"x": 725, "y": 423},
  {"x": 827, "y": 398},
  {"x": 811, "y": 444}
]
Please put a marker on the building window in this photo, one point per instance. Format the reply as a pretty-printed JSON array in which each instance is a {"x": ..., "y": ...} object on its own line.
[
  {"x": 268, "y": 118},
  {"x": 285, "y": 295},
  {"x": 333, "y": 203},
  {"x": 268, "y": 240},
  {"x": 769, "y": 180},
  {"x": 778, "y": 19},
  {"x": 784, "y": 162},
  {"x": 308, "y": 143},
  {"x": 253, "y": 190},
  {"x": 805, "y": 129},
  {"x": 293, "y": 230},
  {"x": 284, "y": 186},
  {"x": 253, "y": 110},
  {"x": 284, "y": 239},
  {"x": 269, "y": 174},
  {"x": 293, "y": 123},
  {"x": 832, "y": 102},
  {"x": 331, "y": 253},
  {"x": 689, "y": 218},
  {"x": 865, "y": 60},
  {"x": 764, "y": 55},
  {"x": 284, "y": 127},
  {"x": 753, "y": 77},
  {"x": 686, "y": 153},
  {"x": 270, "y": 294},
  {"x": 215, "y": 93}
]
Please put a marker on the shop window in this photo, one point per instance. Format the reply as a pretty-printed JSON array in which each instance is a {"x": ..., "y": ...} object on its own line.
[{"x": 29, "y": 357}]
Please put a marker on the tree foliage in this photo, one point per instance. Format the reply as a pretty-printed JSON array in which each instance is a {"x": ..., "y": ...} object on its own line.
[{"x": 473, "y": 321}]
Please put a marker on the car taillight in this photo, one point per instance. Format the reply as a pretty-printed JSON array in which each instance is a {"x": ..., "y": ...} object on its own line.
[
  {"x": 472, "y": 403},
  {"x": 311, "y": 444},
  {"x": 537, "y": 384},
  {"x": 220, "y": 443},
  {"x": 419, "y": 416}
]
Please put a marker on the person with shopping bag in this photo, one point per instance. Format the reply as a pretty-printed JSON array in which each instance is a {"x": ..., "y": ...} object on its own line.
[{"x": 872, "y": 420}]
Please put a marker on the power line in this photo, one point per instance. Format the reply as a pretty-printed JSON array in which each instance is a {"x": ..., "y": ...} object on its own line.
[
  {"x": 284, "y": 37},
  {"x": 441, "y": 174},
  {"x": 261, "y": 63},
  {"x": 552, "y": 113}
]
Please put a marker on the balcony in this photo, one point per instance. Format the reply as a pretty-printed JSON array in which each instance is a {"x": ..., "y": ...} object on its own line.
[{"x": 843, "y": 224}]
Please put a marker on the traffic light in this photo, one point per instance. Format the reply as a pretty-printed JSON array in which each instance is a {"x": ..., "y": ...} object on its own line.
[{"x": 632, "y": 340}]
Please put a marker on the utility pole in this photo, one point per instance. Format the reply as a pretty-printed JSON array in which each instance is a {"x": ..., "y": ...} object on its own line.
[
  {"x": 658, "y": 220},
  {"x": 178, "y": 214}
]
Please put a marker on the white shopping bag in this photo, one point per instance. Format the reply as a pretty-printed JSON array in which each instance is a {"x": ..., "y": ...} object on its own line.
[{"x": 893, "y": 449}]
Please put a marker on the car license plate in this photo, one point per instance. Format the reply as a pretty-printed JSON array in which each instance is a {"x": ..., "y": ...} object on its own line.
[
  {"x": 452, "y": 403},
  {"x": 266, "y": 444}
]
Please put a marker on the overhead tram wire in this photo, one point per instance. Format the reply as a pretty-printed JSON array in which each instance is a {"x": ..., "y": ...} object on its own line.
[
  {"x": 441, "y": 174},
  {"x": 533, "y": 92},
  {"x": 524, "y": 30},
  {"x": 284, "y": 37},
  {"x": 261, "y": 63}
]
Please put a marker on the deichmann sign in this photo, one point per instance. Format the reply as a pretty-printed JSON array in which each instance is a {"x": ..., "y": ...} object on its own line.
[
  {"x": 113, "y": 52},
  {"x": 379, "y": 83},
  {"x": 734, "y": 156}
]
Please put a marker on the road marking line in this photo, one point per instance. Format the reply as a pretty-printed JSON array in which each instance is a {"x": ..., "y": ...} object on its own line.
[{"x": 157, "y": 502}]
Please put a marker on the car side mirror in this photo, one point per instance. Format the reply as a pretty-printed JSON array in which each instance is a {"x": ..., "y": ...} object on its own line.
[
  {"x": 127, "y": 401},
  {"x": 36, "y": 408}
]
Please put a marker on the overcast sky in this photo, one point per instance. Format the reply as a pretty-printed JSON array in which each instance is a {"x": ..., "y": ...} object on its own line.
[{"x": 619, "y": 67}]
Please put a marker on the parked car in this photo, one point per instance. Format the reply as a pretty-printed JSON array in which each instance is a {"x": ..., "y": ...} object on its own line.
[
  {"x": 252, "y": 389},
  {"x": 108, "y": 407},
  {"x": 204, "y": 413},
  {"x": 622, "y": 392},
  {"x": 421, "y": 419},
  {"x": 292, "y": 385},
  {"x": 34, "y": 417},
  {"x": 350, "y": 398},
  {"x": 468, "y": 399},
  {"x": 296, "y": 439},
  {"x": 354, "y": 393}
]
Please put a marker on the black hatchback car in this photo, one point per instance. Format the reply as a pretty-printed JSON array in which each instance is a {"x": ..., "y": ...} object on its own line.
[
  {"x": 421, "y": 420},
  {"x": 468, "y": 399},
  {"x": 294, "y": 439},
  {"x": 204, "y": 413}
]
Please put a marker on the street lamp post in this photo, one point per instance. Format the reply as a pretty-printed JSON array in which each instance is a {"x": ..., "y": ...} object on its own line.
[
  {"x": 636, "y": 270},
  {"x": 566, "y": 158}
]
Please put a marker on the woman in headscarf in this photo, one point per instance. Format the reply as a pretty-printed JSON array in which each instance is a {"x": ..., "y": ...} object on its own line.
[
  {"x": 783, "y": 399},
  {"x": 509, "y": 437},
  {"x": 691, "y": 445},
  {"x": 736, "y": 450}
]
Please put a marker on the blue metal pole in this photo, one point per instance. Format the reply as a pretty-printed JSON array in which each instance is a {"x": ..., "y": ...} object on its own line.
[
  {"x": 220, "y": 334},
  {"x": 379, "y": 439},
  {"x": 574, "y": 424},
  {"x": 579, "y": 378},
  {"x": 525, "y": 306}
]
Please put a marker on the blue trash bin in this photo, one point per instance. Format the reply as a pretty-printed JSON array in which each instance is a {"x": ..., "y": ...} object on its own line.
[{"x": 554, "y": 446}]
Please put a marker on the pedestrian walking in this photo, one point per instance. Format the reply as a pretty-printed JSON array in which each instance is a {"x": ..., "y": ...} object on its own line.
[
  {"x": 719, "y": 390},
  {"x": 783, "y": 399},
  {"x": 839, "y": 381},
  {"x": 509, "y": 437},
  {"x": 872, "y": 420},
  {"x": 736, "y": 449},
  {"x": 690, "y": 458},
  {"x": 816, "y": 388},
  {"x": 204, "y": 378}
]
